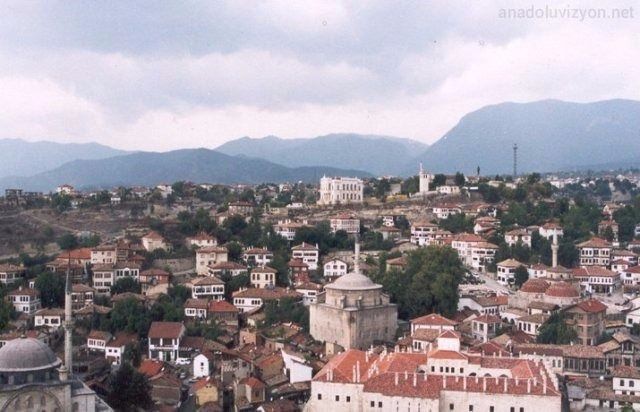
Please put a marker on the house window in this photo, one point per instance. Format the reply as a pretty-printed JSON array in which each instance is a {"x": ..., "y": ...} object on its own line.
[
  {"x": 337, "y": 398},
  {"x": 348, "y": 398},
  {"x": 372, "y": 404},
  {"x": 512, "y": 409},
  {"x": 631, "y": 383},
  {"x": 470, "y": 408},
  {"x": 521, "y": 409},
  {"x": 379, "y": 404},
  {"x": 491, "y": 409},
  {"x": 450, "y": 406},
  {"x": 319, "y": 396}
]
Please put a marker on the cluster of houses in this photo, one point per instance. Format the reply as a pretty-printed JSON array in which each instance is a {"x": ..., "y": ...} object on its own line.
[{"x": 354, "y": 354}]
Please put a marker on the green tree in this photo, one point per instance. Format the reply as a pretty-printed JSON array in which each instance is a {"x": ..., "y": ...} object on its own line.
[
  {"x": 438, "y": 180},
  {"x": 132, "y": 354},
  {"x": 51, "y": 287},
  {"x": 520, "y": 276},
  {"x": 459, "y": 179},
  {"x": 429, "y": 283},
  {"x": 129, "y": 390},
  {"x": 68, "y": 241},
  {"x": 131, "y": 316},
  {"x": 126, "y": 284},
  {"x": 7, "y": 311},
  {"x": 556, "y": 331}
]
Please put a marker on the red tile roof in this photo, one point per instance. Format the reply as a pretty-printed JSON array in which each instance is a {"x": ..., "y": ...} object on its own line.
[
  {"x": 169, "y": 330},
  {"x": 433, "y": 320}
]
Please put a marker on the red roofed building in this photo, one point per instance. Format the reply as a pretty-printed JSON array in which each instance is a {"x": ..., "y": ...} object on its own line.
[
  {"x": 164, "y": 340},
  {"x": 444, "y": 379},
  {"x": 433, "y": 321},
  {"x": 595, "y": 252},
  {"x": 597, "y": 279},
  {"x": 588, "y": 319}
]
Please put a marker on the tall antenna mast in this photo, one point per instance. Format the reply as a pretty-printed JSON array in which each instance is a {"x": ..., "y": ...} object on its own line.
[{"x": 515, "y": 160}]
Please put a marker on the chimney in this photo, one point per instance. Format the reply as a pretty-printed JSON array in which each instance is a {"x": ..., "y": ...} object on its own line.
[
  {"x": 484, "y": 384},
  {"x": 464, "y": 383},
  {"x": 353, "y": 372},
  {"x": 444, "y": 381},
  {"x": 528, "y": 385},
  {"x": 415, "y": 379},
  {"x": 505, "y": 385},
  {"x": 358, "y": 371},
  {"x": 406, "y": 375},
  {"x": 396, "y": 378}
]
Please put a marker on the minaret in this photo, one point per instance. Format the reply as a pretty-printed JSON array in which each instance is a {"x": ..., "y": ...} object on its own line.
[
  {"x": 68, "y": 326},
  {"x": 554, "y": 250},
  {"x": 356, "y": 263}
]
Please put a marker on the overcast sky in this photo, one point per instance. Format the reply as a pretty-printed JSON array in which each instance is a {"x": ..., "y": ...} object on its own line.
[{"x": 161, "y": 75}]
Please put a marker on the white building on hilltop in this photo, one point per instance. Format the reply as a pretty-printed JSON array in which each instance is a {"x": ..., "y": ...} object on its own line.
[{"x": 340, "y": 190}]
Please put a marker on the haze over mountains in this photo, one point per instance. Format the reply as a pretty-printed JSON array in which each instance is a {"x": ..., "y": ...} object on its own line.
[
  {"x": 151, "y": 168},
  {"x": 378, "y": 155},
  {"x": 551, "y": 136},
  {"x": 21, "y": 158}
]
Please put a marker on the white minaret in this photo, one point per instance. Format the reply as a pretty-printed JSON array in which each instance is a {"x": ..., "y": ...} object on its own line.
[
  {"x": 554, "y": 250},
  {"x": 424, "y": 179},
  {"x": 68, "y": 326},
  {"x": 356, "y": 263}
]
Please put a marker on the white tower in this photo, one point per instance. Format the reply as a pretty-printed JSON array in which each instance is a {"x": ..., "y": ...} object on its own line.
[
  {"x": 68, "y": 327},
  {"x": 554, "y": 250},
  {"x": 425, "y": 180}
]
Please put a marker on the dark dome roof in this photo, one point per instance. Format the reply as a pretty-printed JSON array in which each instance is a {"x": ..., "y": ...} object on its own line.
[{"x": 25, "y": 355}]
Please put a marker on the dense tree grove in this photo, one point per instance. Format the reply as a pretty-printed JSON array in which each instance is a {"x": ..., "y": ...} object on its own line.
[
  {"x": 51, "y": 287},
  {"x": 556, "y": 331},
  {"x": 129, "y": 390},
  {"x": 429, "y": 283}
]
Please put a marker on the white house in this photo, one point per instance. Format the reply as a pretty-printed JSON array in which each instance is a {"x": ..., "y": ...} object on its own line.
[
  {"x": 202, "y": 239},
  {"x": 201, "y": 366},
  {"x": 297, "y": 367},
  {"x": 308, "y": 253},
  {"x": 309, "y": 292},
  {"x": 549, "y": 229},
  {"x": 209, "y": 287},
  {"x": 444, "y": 210},
  {"x": 196, "y": 308},
  {"x": 253, "y": 298},
  {"x": 164, "y": 340},
  {"x": 335, "y": 268},
  {"x": 422, "y": 232},
  {"x": 152, "y": 241},
  {"x": 26, "y": 300},
  {"x": 506, "y": 271},
  {"x": 595, "y": 252},
  {"x": 114, "y": 350},
  {"x": 257, "y": 256},
  {"x": 345, "y": 222},
  {"x": 516, "y": 236},
  {"x": 97, "y": 340},
  {"x": 50, "y": 318},
  {"x": 208, "y": 256},
  {"x": 263, "y": 277}
]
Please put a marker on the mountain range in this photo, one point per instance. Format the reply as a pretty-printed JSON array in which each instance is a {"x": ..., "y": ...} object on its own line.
[
  {"x": 378, "y": 155},
  {"x": 151, "y": 168},
  {"x": 551, "y": 136},
  {"x": 21, "y": 158}
]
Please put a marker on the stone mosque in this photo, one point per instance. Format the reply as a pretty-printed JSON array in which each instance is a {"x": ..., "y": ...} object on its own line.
[
  {"x": 353, "y": 313},
  {"x": 32, "y": 378}
]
